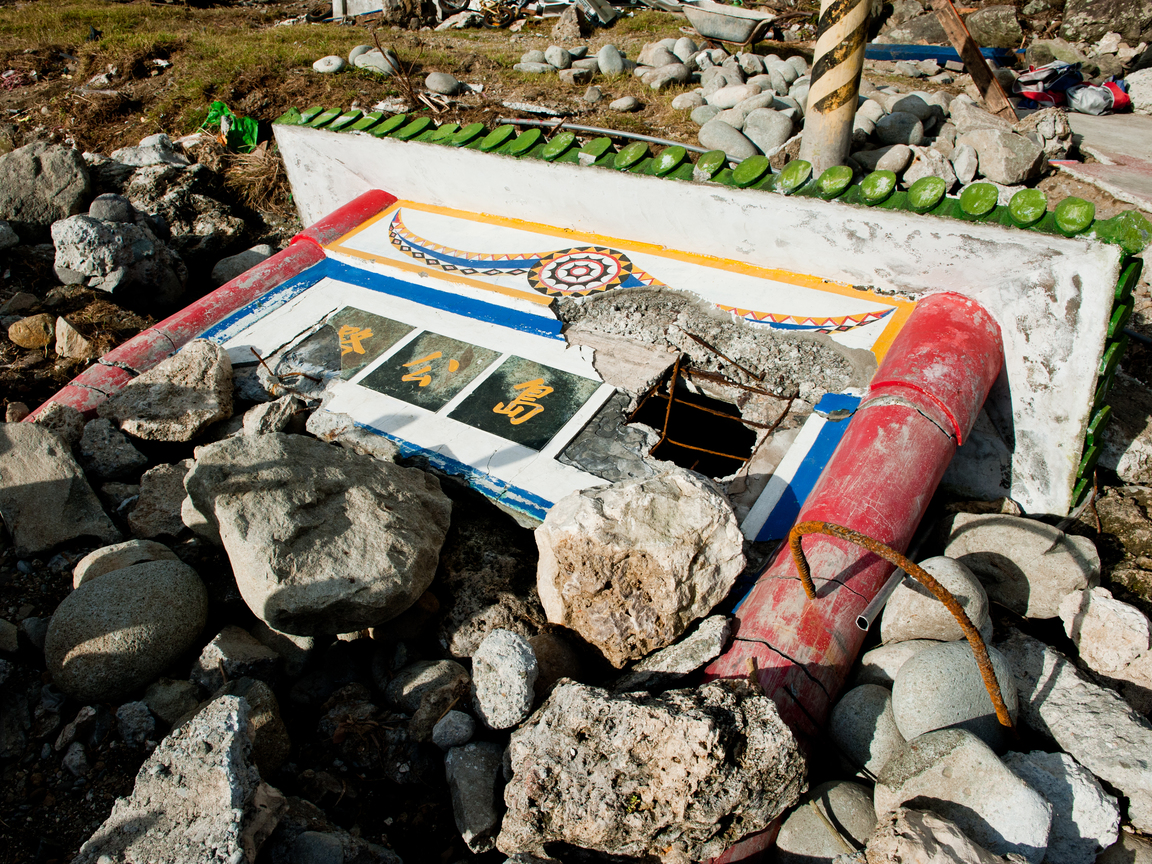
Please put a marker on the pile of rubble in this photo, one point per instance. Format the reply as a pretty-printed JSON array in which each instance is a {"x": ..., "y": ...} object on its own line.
[{"x": 558, "y": 689}]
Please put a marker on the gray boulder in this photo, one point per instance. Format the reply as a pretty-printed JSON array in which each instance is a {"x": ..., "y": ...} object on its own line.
[
  {"x": 913, "y": 612},
  {"x": 767, "y": 129},
  {"x": 965, "y": 162},
  {"x": 472, "y": 771},
  {"x": 958, "y": 775},
  {"x": 63, "y": 420},
  {"x": 715, "y": 134},
  {"x": 930, "y": 162},
  {"x": 557, "y": 56},
  {"x": 106, "y": 453},
  {"x": 703, "y": 114},
  {"x": 900, "y": 127},
  {"x": 443, "y": 83},
  {"x": 8, "y": 237},
  {"x": 44, "y": 498},
  {"x": 1089, "y": 722},
  {"x": 676, "y": 661},
  {"x": 667, "y": 76},
  {"x": 120, "y": 631},
  {"x": 176, "y": 399},
  {"x": 41, "y": 184},
  {"x": 409, "y": 687},
  {"x": 941, "y": 688},
  {"x": 135, "y": 723},
  {"x": 157, "y": 510},
  {"x": 864, "y": 728},
  {"x": 385, "y": 64},
  {"x": 1088, "y": 20},
  {"x": 691, "y": 770},
  {"x": 920, "y": 30},
  {"x": 321, "y": 540},
  {"x": 109, "y": 558},
  {"x": 111, "y": 207},
  {"x": 126, "y": 259},
  {"x": 1005, "y": 157},
  {"x": 631, "y": 565},
  {"x": 454, "y": 729},
  {"x": 995, "y": 27},
  {"x": 1026, "y": 565},
  {"x": 504, "y": 672},
  {"x": 198, "y": 791},
  {"x": 610, "y": 61},
  {"x": 804, "y": 837},
  {"x": 188, "y": 201},
  {"x": 1085, "y": 818},
  {"x": 153, "y": 150},
  {"x": 227, "y": 269},
  {"x": 170, "y": 700},
  {"x": 234, "y": 653}
]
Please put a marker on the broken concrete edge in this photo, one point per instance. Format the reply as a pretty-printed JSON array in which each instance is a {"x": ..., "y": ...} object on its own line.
[
  {"x": 1028, "y": 209},
  {"x": 140, "y": 353}
]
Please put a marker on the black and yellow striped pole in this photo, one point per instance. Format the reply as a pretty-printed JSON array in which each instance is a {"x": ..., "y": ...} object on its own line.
[{"x": 832, "y": 98}]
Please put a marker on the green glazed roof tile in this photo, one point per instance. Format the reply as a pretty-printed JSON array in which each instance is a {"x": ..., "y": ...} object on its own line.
[
  {"x": 466, "y": 135},
  {"x": 444, "y": 134},
  {"x": 524, "y": 143},
  {"x": 978, "y": 199},
  {"x": 416, "y": 127},
  {"x": 366, "y": 122},
  {"x": 669, "y": 160},
  {"x": 630, "y": 155},
  {"x": 1129, "y": 276},
  {"x": 345, "y": 119},
  {"x": 1128, "y": 230},
  {"x": 795, "y": 174},
  {"x": 926, "y": 193},
  {"x": 309, "y": 114},
  {"x": 1103, "y": 387},
  {"x": 1088, "y": 461},
  {"x": 724, "y": 177},
  {"x": 1113, "y": 352},
  {"x": 595, "y": 151},
  {"x": 498, "y": 137},
  {"x": 324, "y": 118},
  {"x": 389, "y": 126},
  {"x": 832, "y": 183},
  {"x": 684, "y": 171},
  {"x": 877, "y": 187},
  {"x": 1081, "y": 491},
  {"x": 709, "y": 164},
  {"x": 751, "y": 170},
  {"x": 1028, "y": 207},
  {"x": 558, "y": 145},
  {"x": 291, "y": 117},
  {"x": 1119, "y": 319},
  {"x": 898, "y": 200},
  {"x": 1074, "y": 215},
  {"x": 1098, "y": 424}
]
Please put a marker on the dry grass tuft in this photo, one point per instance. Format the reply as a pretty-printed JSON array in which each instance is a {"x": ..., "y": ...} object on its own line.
[{"x": 259, "y": 180}]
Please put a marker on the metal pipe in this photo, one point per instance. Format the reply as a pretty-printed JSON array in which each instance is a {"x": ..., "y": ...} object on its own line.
[
  {"x": 864, "y": 619},
  {"x": 838, "y": 61},
  {"x": 596, "y": 130}
]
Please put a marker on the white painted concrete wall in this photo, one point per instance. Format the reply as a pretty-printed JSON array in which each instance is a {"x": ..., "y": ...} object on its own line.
[{"x": 1052, "y": 296}]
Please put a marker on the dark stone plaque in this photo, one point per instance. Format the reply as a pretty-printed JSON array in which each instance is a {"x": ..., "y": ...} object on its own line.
[{"x": 429, "y": 370}]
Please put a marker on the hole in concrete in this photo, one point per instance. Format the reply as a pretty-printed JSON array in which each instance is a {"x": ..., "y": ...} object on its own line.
[{"x": 696, "y": 431}]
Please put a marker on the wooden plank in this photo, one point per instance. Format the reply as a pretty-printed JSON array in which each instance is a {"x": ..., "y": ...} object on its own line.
[{"x": 994, "y": 95}]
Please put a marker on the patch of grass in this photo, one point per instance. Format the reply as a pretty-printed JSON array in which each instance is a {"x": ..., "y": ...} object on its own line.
[{"x": 644, "y": 23}]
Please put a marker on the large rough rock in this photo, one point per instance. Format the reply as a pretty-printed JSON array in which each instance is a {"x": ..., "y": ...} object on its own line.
[
  {"x": 44, "y": 498},
  {"x": 1109, "y": 633},
  {"x": 1026, "y": 565},
  {"x": 107, "y": 454},
  {"x": 942, "y": 688},
  {"x": 120, "y": 631},
  {"x": 957, "y": 774},
  {"x": 201, "y": 226},
  {"x": 321, "y": 540},
  {"x": 1088, "y": 20},
  {"x": 691, "y": 771},
  {"x": 863, "y": 727},
  {"x": 995, "y": 27},
  {"x": 881, "y": 665},
  {"x": 157, "y": 510},
  {"x": 804, "y": 837},
  {"x": 1085, "y": 818},
  {"x": 504, "y": 672},
  {"x": 669, "y": 664},
  {"x": 1090, "y": 722},
  {"x": 178, "y": 398},
  {"x": 920, "y": 30},
  {"x": 195, "y": 798},
  {"x": 1127, "y": 447},
  {"x": 906, "y": 835},
  {"x": 126, "y": 259},
  {"x": 914, "y": 612},
  {"x": 107, "y": 559},
  {"x": 631, "y": 565},
  {"x": 39, "y": 184},
  {"x": 1005, "y": 157}
]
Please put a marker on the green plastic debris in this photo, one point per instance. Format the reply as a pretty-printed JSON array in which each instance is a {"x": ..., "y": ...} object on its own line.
[
  {"x": 709, "y": 164},
  {"x": 978, "y": 199},
  {"x": 558, "y": 146},
  {"x": 498, "y": 137},
  {"x": 750, "y": 171},
  {"x": 669, "y": 160},
  {"x": 877, "y": 186},
  {"x": 925, "y": 194},
  {"x": 240, "y": 133},
  {"x": 1074, "y": 215},
  {"x": 630, "y": 155},
  {"x": 1028, "y": 207},
  {"x": 794, "y": 175},
  {"x": 834, "y": 181},
  {"x": 1129, "y": 230}
]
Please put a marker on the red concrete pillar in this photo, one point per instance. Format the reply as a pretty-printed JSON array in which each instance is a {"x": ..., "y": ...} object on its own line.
[{"x": 920, "y": 407}]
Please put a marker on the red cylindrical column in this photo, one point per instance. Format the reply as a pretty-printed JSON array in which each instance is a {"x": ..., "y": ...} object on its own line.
[{"x": 923, "y": 401}]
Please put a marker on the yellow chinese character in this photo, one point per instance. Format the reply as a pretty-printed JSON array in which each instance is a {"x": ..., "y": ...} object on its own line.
[
  {"x": 421, "y": 375},
  {"x": 351, "y": 337},
  {"x": 524, "y": 406}
]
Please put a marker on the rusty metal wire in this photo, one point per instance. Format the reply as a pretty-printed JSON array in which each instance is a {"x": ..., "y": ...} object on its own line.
[{"x": 975, "y": 640}]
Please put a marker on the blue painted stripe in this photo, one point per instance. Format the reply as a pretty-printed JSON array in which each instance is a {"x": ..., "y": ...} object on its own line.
[
  {"x": 265, "y": 303},
  {"x": 492, "y": 487},
  {"x": 538, "y": 325},
  {"x": 830, "y": 402}
]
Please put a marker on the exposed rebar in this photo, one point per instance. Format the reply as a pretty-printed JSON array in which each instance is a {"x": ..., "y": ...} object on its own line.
[{"x": 975, "y": 640}]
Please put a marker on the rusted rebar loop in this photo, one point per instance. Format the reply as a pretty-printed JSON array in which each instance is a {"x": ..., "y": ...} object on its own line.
[{"x": 975, "y": 640}]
